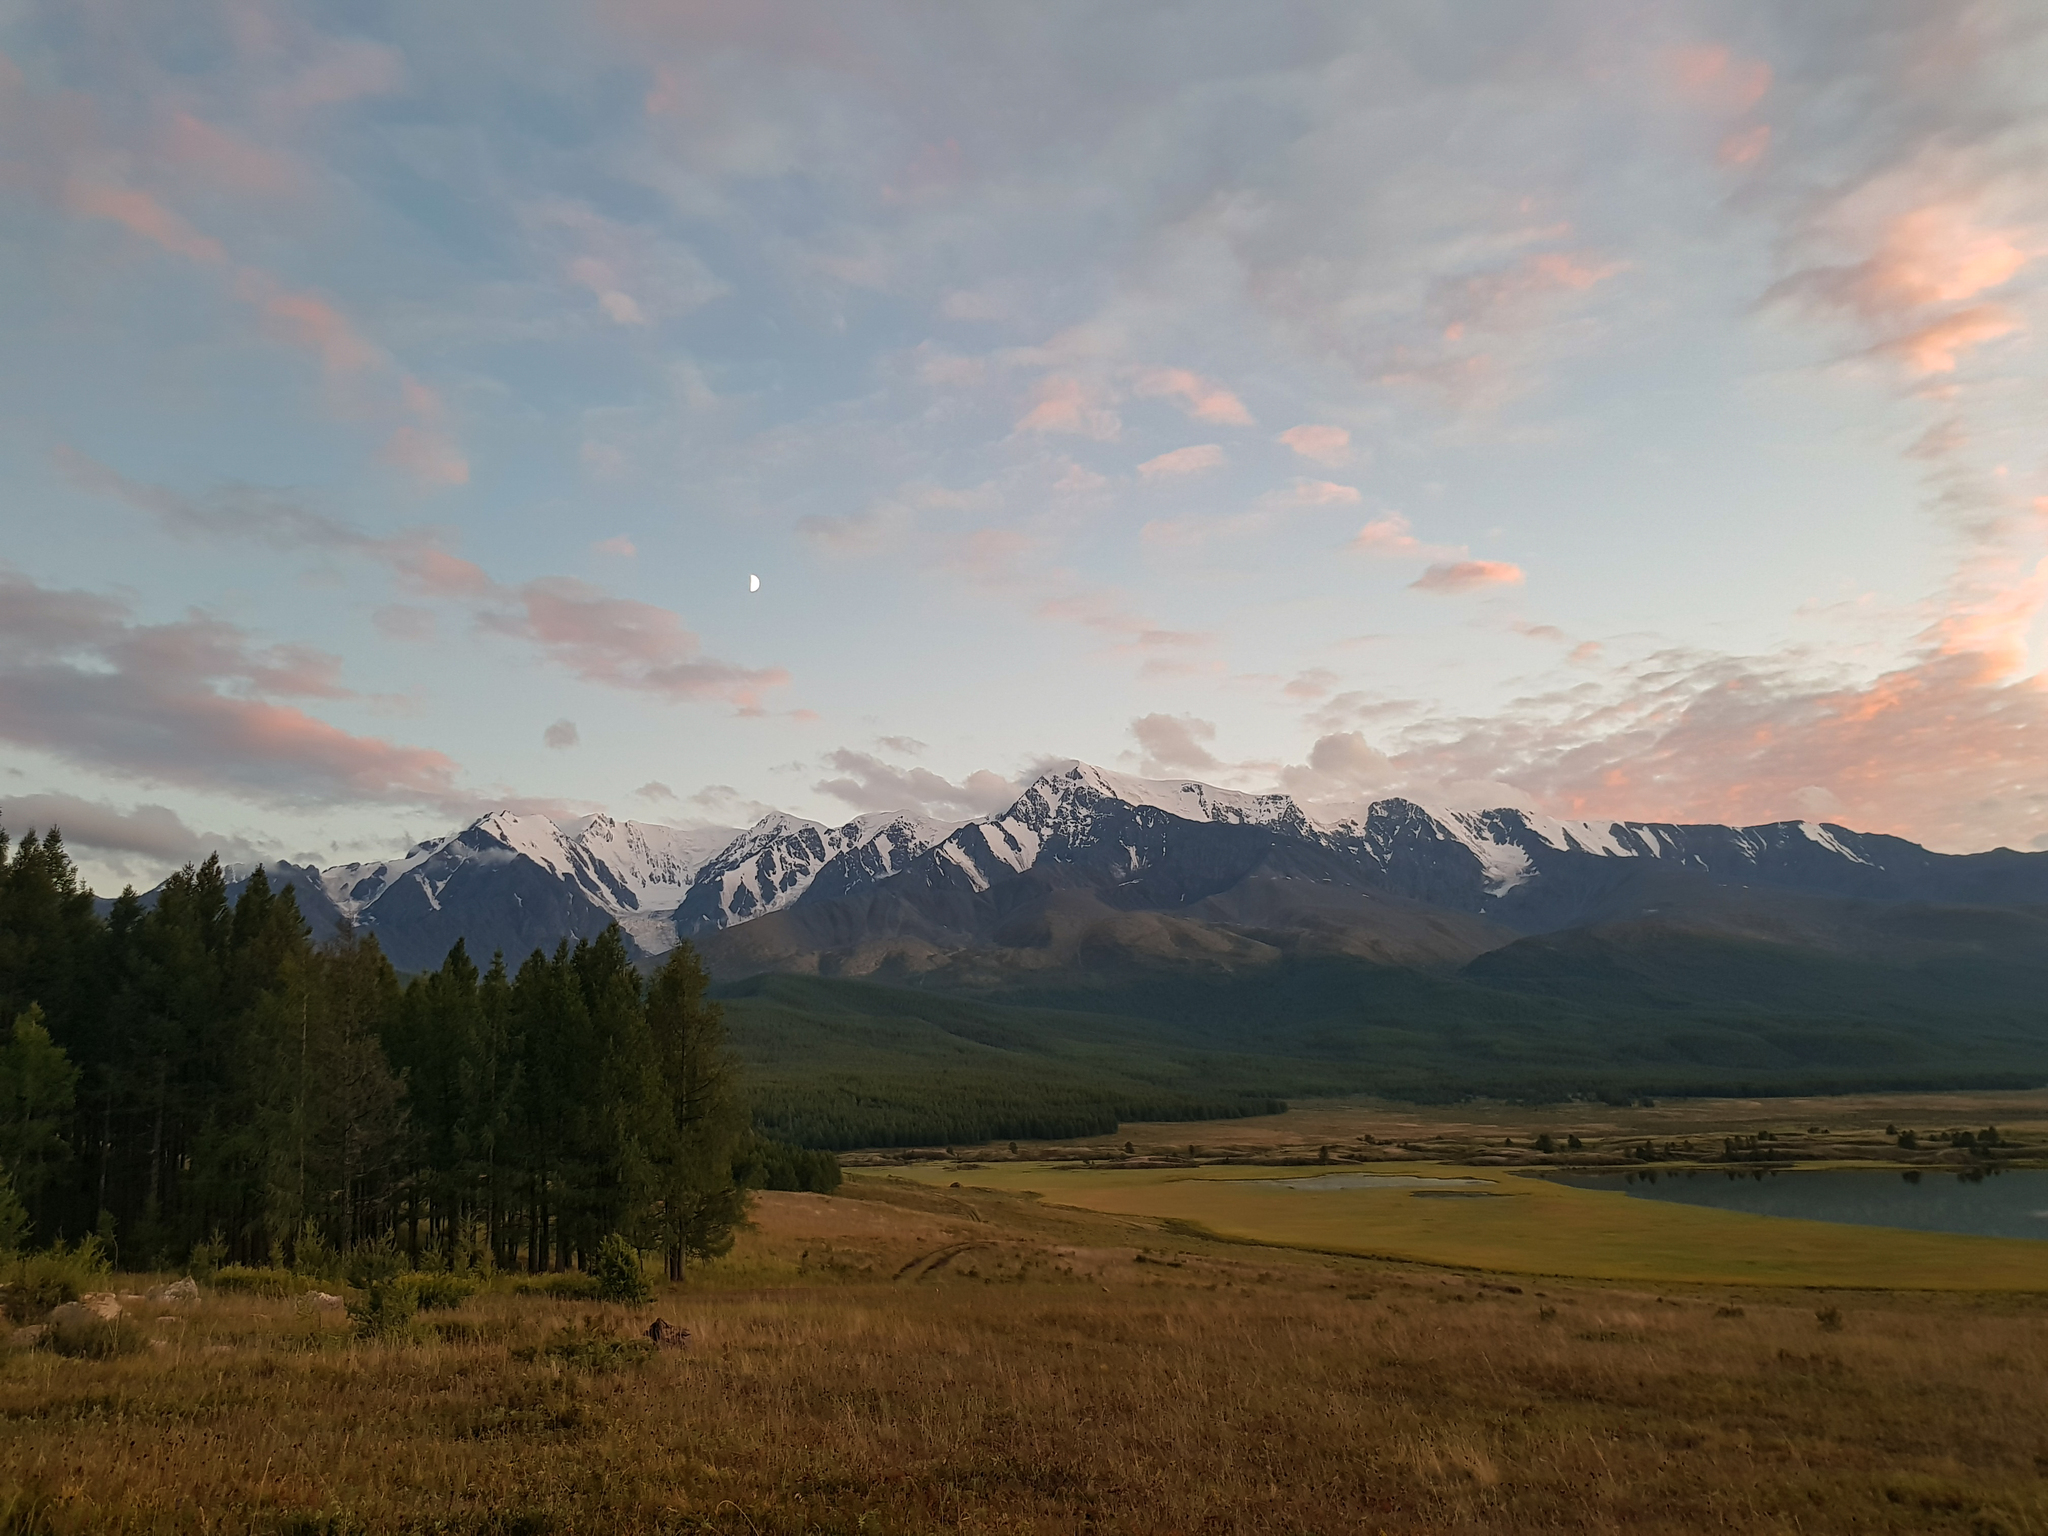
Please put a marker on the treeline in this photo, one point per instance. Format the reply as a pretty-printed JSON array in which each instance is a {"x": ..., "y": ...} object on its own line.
[
  {"x": 851, "y": 1112},
  {"x": 200, "y": 1072}
]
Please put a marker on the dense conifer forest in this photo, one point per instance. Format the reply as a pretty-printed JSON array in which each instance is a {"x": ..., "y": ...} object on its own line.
[{"x": 201, "y": 1074}]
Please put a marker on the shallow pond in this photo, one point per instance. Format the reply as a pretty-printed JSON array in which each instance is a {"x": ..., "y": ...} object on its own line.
[{"x": 2011, "y": 1203}]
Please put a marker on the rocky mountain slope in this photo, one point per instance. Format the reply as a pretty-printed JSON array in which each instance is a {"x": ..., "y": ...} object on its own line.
[{"x": 1095, "y": 869}]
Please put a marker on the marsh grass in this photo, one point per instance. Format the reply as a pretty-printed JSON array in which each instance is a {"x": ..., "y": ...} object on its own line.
[{"x": 1044, "y": 1380}]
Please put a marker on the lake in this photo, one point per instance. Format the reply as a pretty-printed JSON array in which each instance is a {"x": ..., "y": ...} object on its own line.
[{"x": 2008, "y": 1203}]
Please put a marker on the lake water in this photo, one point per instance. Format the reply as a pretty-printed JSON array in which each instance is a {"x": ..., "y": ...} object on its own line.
[{"x": 2012, "y": 1203}]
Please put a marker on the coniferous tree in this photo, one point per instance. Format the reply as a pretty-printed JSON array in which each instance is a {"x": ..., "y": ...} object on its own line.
[
  {"x": 699, "y": 1199},
  {"x": 37, "y": 1087}
]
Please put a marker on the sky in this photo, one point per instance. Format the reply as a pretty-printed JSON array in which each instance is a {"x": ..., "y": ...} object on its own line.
[{"x": 1614, "y": 409}]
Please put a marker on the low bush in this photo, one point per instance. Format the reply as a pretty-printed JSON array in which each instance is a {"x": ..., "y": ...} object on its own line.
[
  {"x": 39, "y": 1281},
  {"x": 437, "y": 1292},
  {"x": 373, "y": 1261},
  {"x": 385, "y": 1310},
  {"x": 207, "y": 1257},
  {"x": 619, "y": 1272}
]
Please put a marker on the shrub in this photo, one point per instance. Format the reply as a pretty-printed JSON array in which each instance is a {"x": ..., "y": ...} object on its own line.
[
  {"x": 373, "y": 1261},
  {"x": 14, "y": 1222},
  {"x": 1830, "y": 1319},
  {"x": 207, "y": 1257},
  {"x": 618, "y": 1272},
  {"x": 250, "y": 1281},
  {"x": 41, "y": 1281},
  {"x": 385, "y": 1310},
  {"x": 313, "y": 1255},
  {"x": 437, "y": 1292}
]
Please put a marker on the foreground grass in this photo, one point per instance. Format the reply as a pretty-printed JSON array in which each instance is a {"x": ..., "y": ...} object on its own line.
[
  {"x": 1522, "y": 1225},
  {"x": 905, "y": 1359}
]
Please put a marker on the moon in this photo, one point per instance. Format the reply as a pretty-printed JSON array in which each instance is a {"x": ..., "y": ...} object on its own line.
[{"x": 753, "y": 583}]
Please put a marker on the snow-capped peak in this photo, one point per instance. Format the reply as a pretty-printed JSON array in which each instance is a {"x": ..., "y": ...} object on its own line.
[{"x": 1186, "y": 798}]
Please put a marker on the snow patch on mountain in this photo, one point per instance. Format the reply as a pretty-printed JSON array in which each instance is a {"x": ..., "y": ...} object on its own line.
[
  {"x": 1825, "y": 836},
  {"x": 779, "y": 859}
]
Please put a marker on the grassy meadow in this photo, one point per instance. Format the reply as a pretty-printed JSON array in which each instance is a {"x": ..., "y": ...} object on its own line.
[
  {"x": 1521, "y": 1225},
  {"x": 910, "y": 1357}
]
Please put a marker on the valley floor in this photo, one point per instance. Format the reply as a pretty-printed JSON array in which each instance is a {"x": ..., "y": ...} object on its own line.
[{"x": 911, "y": 1357}]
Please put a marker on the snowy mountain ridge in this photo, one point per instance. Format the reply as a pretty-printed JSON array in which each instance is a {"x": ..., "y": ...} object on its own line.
[{"x": 510, "y": 880}]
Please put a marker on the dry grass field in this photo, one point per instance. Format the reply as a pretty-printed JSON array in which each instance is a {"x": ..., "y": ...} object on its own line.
[
  {"x": 1507, "y": 1222},
  {"x": 904, "y": 1358}
]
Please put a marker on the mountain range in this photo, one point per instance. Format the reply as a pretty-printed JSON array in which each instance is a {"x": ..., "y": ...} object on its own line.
[
  {"x": 1093, "y": 868},
  {"x": 1119, "y": 947}
]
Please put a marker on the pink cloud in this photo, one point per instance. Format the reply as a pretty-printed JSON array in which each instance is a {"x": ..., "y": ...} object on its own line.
[
  {"x": 1199, "y": 397},
  {"x": 1451, "y": 577},
  {"x": 1745, "y": 146},
  {"x": 140, "y": 214},
  {"x": 619, "y": 545},
  {"x": 604, "y": 639},
  {"x": 1943, "y": 747},
  {"x": 1936, "y": 346},
  {"x": 1183, "y": 461},
  {"x": 225, "y": 160},
  {"x": 422, "y": 566},
  {"x": 1935, "y": 255},
  {"x": 307, "y": 321},
  {"x": 1325, "y": 445},
  {"x": 296, "y": 319},
  {"x": 189, "y": 702},
  {"x": 1510, "y": 297},
  {"x": 1389, "y": 538},
  {"x": 1315, "y": 493},
  {"x": 1063, "y": 403},
  {"x": 626, "y": 644},
  {"x": 1711, "y": 75}
]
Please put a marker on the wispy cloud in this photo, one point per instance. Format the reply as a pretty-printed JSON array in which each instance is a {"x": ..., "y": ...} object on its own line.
[
  {"x": 1323, "y": 444},
  {"x": 191, "y": 702},
  {"x": 869, "y": 783},
  {"x": 601, "y": 638},
  {"x": 1183, "y": 461},
  {"x": 1452, "y": 577},
  {"x": 1201, "y": 398}
]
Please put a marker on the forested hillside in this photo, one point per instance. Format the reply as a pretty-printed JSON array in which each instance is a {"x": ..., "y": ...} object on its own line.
[
  {"x": 202, "y": 1072},
  {"x": 846, "y": 1063}
]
